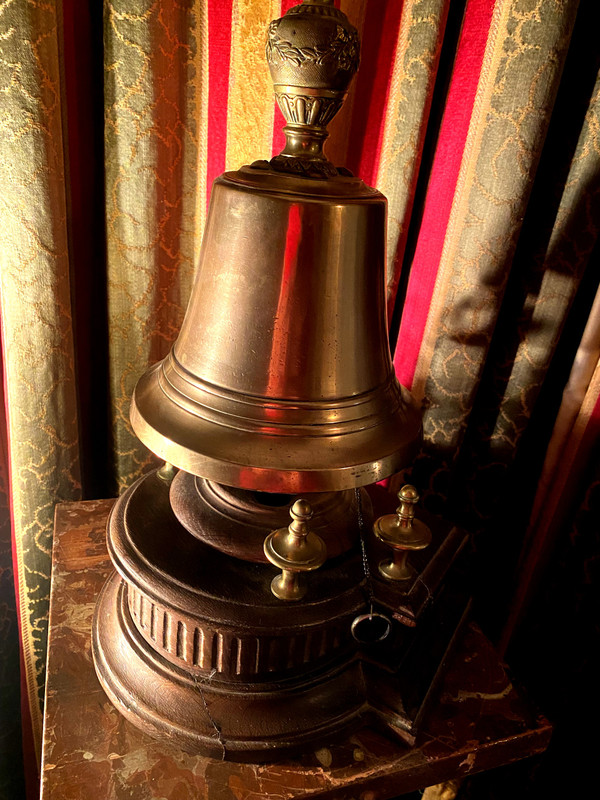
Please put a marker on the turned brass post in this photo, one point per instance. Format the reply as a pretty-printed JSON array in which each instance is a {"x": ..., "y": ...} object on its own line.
[
  {"x": 294, "y": 550},
  {"x": 167, "y": 472},
  {"x": 403, "y": 533}
]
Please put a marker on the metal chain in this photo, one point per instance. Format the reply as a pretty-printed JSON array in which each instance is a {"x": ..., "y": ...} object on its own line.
[{"x": 363, "y": 549}]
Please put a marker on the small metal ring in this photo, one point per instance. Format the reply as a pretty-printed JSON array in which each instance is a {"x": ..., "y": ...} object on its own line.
[{"x": 371, "y": 622}]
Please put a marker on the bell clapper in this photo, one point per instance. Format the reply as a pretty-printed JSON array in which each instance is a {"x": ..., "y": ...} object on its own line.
[
  {"x": 294, "y": 550},
  {"x": 403, "y": 533}
]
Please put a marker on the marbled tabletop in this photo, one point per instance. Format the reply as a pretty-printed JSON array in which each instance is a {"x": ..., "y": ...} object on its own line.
[{"x": 480, "y": 720}]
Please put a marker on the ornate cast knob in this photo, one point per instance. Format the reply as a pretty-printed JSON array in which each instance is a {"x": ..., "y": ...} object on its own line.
[
  {"x": 403, "y": 533},
  {"x": 313, "y": 52},
  {"x": 294, "y": 550}
]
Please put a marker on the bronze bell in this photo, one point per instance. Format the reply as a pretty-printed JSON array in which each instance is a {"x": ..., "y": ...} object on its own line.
[
  {"x": 226, "y": 628},
  {"x": 281, "y": 379}
]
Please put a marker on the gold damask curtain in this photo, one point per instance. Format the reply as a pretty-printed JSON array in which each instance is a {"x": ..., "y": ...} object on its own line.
[
  {"x": 155, "y": 129},
  {"x": 479, "y": 119},
  {"x": 40, "y": 397}
]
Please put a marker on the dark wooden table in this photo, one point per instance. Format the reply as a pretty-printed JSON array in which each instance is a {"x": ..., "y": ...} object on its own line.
[{"x": 479, "y": 722}]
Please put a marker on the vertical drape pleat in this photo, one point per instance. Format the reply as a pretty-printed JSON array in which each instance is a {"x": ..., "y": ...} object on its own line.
[
  {"x": 549, "y": 281},
  {"x": 551, "y": 284},
  {"x": 250, "y": 107},
  {"x": 575, "y": 434},
  {"x": 337, "y": 144},
  {"x": 37, "y": 339},
  {"x": 517, "y": 86},
  {"x": 155, "y": 100},
  {"x": 429, "y": 223},
  {"x": 420, "y": 37}
]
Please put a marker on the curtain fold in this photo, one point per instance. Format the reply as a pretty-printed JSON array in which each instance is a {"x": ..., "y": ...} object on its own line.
[
  {"x": 419, "y": 42},
  {"x": 35, "y": 308},
  {"x": 478, "y": 119},
  {"x": 574, "y": 435},
  {"x": 517, "y": 85},
  {"x": 550, "y": 278},
  {"x": 155, "y": 145}
]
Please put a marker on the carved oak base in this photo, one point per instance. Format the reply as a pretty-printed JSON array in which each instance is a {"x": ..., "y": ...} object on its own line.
[
  {"x": 190, "y": 644},
  {"x": 237, "y": 722}
]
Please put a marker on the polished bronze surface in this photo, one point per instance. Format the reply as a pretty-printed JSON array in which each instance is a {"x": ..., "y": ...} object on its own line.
[
  {"x": 403, "y": 533},
  {"x": 281, "y": 379},
  {"x": 294, "y": 550}
]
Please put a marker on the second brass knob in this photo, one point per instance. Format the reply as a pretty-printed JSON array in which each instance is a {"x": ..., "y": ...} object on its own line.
[
  {"x": 403, "y": 533},
  {"x": 294, "y": 550}
]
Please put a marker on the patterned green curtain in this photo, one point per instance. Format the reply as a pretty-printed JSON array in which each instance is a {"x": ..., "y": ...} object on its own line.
[{"x": 40, "y": 430}]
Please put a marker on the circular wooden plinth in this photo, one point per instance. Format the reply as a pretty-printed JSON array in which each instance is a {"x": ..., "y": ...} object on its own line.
[
  {"x": 208, "y": 716},
  {"x": 237, "y": 522},
  {"x": 191, "y": 645}
]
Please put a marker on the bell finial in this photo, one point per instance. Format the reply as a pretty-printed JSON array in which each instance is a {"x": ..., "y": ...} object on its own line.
[{"x": 313, "y": 52}]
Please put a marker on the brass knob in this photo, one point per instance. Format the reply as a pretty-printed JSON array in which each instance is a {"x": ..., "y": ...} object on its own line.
[
  {"x": 294, "y": 550},
  {"x": 313, "y": 52},
  {"x": 403, "y": 533}
]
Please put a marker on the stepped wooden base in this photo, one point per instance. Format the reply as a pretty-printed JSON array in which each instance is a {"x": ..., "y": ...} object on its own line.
[
  {"x": 216, "y": 514},
  {"x": 238, "y": 722},
  {"x": 191, "y": 646}
]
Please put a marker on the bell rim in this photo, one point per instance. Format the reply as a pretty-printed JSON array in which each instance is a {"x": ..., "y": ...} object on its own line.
[{"x": 272, "y": 462}]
